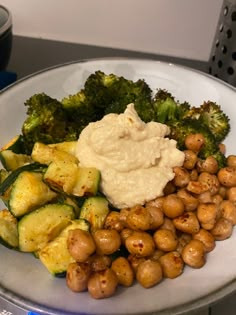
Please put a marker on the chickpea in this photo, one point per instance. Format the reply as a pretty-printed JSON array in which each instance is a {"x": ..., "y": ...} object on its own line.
[
  {"x": 217, "y": 199},
  {"x": 165, "y": 240},
  {"x": 107, "y": 241},
  {"x": 205, "y": 197},
  {"x": 222, "y": 229},
  {"x": 183, "y": 239},
  {"x": 102, "y": 284},
  {"x": 190, "y": 202},
  {"x": 223, "y": 191},
  {"x": 124, "y": 234},
  {"x": 187, "y": 223},
  {"x": 193, "y": 254},
  {"x": 231, "y": 194},
  {"x": 80, "y": 244},
  {"x": 172, "y": 206},
  {"x": 157, "y": 254},
  {"x": 206, "y": 238},
  {"x": 209, "y": 165},
  {"x": 196, "y": 187},
  {"x": 156, "y": 217},
  {"x": 231, "y": 161},
  {"x": 228, "y": 211},
  {"x": 194, "y": 142},
  {"x": 140, "y": 244},
  {"x": 190, "y": 159},
  {"x": 207, "y": 215},
  {"x": 113, "y": 221},
  {"x": 123, "y": 271},
  {"x": 99, "y": 262},
  {"x": 77, "y": 276},
  {"x": 222, "y": 148},
  {"x": 211, "y": 181},
  {"x": 149, "y": 273},
  {"x": 182, "y": 177},
  {"x": 135, "y": 261},
  {"x": 123, "y": 215},
  {"x": 168, "y": 225},
  {"x": 156, "y": 202},
  {"x": 172, "y": 264},
  {"x": 193, "y": 175},
  {"x": 139, "y": 218},
  {"x": 227, "y": 176}
]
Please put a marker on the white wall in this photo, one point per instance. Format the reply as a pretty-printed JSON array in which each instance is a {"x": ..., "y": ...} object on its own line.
[{"x": 181, "y": 28}]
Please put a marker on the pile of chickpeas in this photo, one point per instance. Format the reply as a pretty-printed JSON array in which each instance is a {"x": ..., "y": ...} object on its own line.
[{"x": 161, "y": 237}]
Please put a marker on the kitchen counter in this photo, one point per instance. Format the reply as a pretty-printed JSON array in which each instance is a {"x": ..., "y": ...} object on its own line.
[{"x": 30, "y": 55}]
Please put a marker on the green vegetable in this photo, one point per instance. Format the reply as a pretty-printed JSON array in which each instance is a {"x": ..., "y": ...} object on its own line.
[{"x": 8, "y": 229}]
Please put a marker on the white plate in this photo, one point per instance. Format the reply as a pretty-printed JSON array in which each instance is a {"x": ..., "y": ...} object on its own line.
[{"x": 25, "y": 281}]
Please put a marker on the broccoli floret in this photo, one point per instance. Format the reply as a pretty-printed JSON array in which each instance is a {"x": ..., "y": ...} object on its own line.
[
  {"x": 167, "y": 109},
  {"x": 46, "y": 122},
  {"x": 180, "y": 129}
]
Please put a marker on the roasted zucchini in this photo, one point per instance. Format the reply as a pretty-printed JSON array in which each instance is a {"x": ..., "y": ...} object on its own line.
[
  {"x": 41, "y": 226},
  {"x": 8, "y": 229},
  {"x": 16, "y": 145},
  {"x": 94, "y": 210},
  {"x": 66, "y": 146},
  {"x": 29, "y": 192},
  {"x": 55, "y": 255},
  {"x": 11, "y": 161}
]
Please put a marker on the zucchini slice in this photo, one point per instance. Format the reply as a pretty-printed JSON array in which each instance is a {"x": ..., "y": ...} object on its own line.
[
  {"x": 45, "y": 154},
  {"x": 12, "y": 161},
  {"x": 95, "y": 210},
  {"x": 29, "y": 192},
  {"x": 66, "y": 146},
  {"x": 55, "y": 255},
  {"x": 16, "y": 144},
  {"x": 41, "y": 226},
  {"x": 68, "y": 177},
  {"x": 8, "y": 229}
]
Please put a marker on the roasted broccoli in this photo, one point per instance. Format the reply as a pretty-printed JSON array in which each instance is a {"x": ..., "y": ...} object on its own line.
[
  {"x": 46, "y": 122},
  {"x": 167, "y": 109},
  {"x": 211, "y": 114},
  {"x": 180, "y": 129}
]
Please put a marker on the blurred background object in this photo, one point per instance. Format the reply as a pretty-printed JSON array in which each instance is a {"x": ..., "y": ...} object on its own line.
[
  {"x": 5, "y": 36},
  {"x": 223, "y": 54}
]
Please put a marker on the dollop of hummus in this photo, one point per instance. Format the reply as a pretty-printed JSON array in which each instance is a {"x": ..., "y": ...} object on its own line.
[{"x": 135, "y": 159}]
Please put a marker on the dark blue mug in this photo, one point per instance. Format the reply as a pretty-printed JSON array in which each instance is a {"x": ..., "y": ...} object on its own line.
[{"x": 5, "y": 37}]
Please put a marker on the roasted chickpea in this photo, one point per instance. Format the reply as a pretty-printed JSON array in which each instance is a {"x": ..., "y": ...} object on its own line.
[
  {"x": 80, "y": 245},
  {"x": 227, "y": 176},
  {"x": 156, "y": 202},
  {"x": 99, "y": 262},
  {"x": 77, "y": 276},
  {"x": 107, "y": 241},
  {"x": 124, "y": 234},
  {"x": 205, "y": 197},
  {"x": 165, "y": 240},
  {"x": 196, "y": 187},
  {"x": 123, "y": 215},
  {"x": 123, "y": 271},
  {"x": 113, "y": 221},
  {"x": 194, "y": 142},
  {"x": 172, "y": 206},
  {"x": 157, "y": 254},
  {"x": 187, "y": 223},
  {"x": 228, "y": 211},
  {"x": 207, "y": 215},
  {"x": 231, "y": 161},
  {"x": 209, "y": 165},
  {"x": 172, "y": 264},
  {"x": 139, "y": 218},
  {"x": 190, "y": 159},
  {"x": 217, "y": 199},
  {"x": 222, "y": 230},
  {"x": 170, "y": 188},
  {"x": 190, "y": 202},
  {"x": 135, "y": 261},
  {"x": 222, "y": 148},
  {"x": 183, "y": 239},
  {"x": 211, "y": 181},
  {"x": 193, "y": 254},
  {"x": 182, "y": 177},
  {"x": 168, "y": 225},
  {"x": 149, "y": 273},
  {"x": 140, "y": 244},
  {"x": 156, "y": 217},
  {"x": 193, "y": 175},
  {"x": 231, "y": 194},
  {"x": 206, "y": 238},
  {"x": 102, "y": 284}
]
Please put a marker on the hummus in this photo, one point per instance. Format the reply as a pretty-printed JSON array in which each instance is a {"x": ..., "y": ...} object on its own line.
[{"x": 135, "y": 158}]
